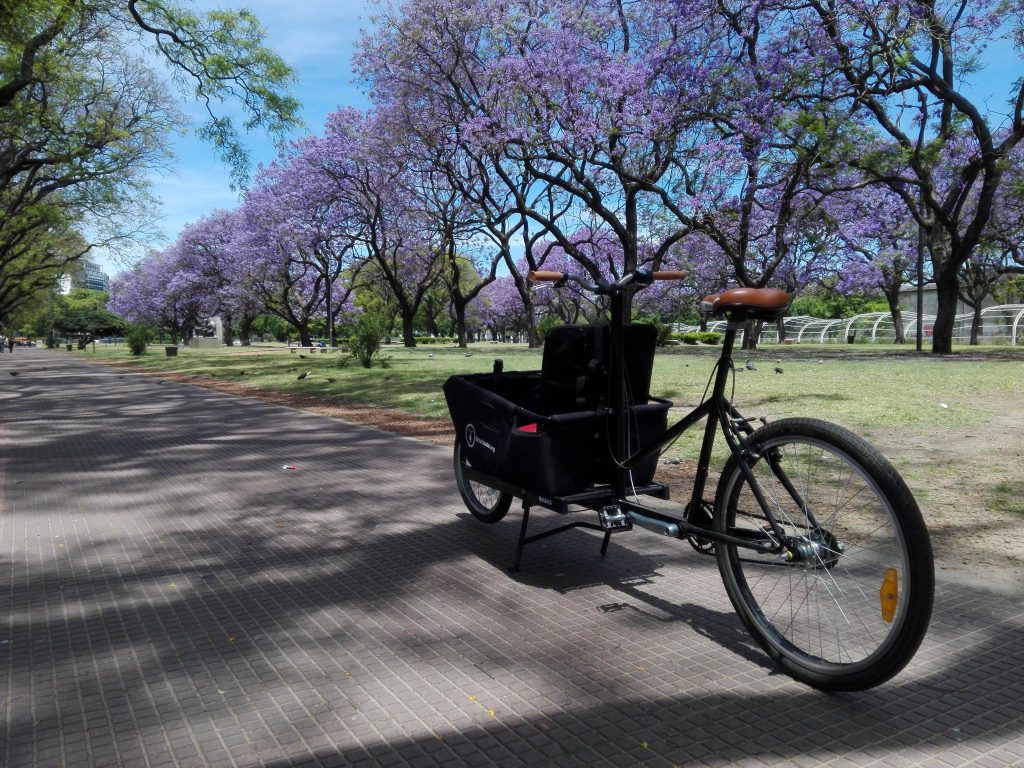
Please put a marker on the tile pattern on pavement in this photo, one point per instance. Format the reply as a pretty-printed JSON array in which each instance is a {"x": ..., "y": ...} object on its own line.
[{"x": 171, "y": 595}]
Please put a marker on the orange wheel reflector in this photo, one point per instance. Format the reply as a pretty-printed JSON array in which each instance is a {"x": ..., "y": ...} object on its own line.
[{"x": 888, "y": 594}]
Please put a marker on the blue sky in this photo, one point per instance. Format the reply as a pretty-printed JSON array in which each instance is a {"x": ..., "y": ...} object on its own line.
[{"x": 317, "y": 37}]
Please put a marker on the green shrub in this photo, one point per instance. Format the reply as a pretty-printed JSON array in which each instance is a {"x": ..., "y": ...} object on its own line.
[
  {"x": 664, "y": 333},
  {"x": 137, "y": 340},
  {"x": 698, "y": 337},
  {"x": 435, "y": 340},
  {"x": 664, "y": 330},
  {"x": 546, "y": 324},
  {"x": 364, "y": 342}
]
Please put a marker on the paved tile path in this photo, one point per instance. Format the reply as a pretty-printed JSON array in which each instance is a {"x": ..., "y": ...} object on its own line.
[{"x": 171, "y": 596}]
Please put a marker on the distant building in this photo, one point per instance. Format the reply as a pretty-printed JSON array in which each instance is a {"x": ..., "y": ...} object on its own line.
[
  {"x": 930, "y": 300},
  {"x": 86, "y": 274}
]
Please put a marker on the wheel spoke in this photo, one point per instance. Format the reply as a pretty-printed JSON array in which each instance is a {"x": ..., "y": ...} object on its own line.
[
  {"x": 820, "y": 607},
  {"x": 485, "y": 503}
]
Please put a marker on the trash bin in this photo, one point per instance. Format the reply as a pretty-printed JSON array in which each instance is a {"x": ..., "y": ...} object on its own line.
[
  {"x": 69, "y": 347},
  {"x": 851, "y": 337},
  {"x": 171, "y": 351}
]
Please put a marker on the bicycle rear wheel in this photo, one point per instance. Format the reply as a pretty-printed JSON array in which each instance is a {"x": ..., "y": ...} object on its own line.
[
  {"x": 488, "y": 505},
  {"x": 847, "y": 604}
]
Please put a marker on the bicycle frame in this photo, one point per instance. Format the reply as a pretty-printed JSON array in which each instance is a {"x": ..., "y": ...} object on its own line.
[{"x": 720, "y": 414}]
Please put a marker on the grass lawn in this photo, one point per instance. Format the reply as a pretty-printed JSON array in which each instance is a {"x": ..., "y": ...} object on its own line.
[
  {"x": 856, "y": 386},
  {"x": 863, "y": 387}
]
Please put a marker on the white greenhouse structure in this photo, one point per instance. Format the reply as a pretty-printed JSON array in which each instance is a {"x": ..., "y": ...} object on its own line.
[{"x": 1001, "y": 324}]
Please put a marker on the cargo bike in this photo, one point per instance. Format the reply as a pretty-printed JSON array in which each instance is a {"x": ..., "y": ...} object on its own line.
[{"x": 820, "y": 544}]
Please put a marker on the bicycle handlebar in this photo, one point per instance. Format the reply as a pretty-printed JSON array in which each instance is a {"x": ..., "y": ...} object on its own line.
[{"x": 540, "y": 275}]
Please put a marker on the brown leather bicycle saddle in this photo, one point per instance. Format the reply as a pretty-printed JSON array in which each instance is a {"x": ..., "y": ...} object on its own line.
[{"x": 747, "y": 303}]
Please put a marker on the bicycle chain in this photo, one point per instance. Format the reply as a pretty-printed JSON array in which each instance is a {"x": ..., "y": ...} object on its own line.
[{"x": 705, "y": 547}]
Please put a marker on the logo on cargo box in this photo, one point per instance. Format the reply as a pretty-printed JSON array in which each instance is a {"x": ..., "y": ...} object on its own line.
[{"x": 472, "y": 439}]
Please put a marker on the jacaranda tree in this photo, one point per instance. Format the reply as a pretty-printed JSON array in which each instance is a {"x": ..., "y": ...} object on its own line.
[{"x": 905, "y": 68}]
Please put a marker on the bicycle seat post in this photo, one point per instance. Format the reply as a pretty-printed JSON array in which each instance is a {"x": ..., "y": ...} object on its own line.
[
  {"x": 732, "y": 329},
  {"x": 717, "y": 414},
  {"x": 617, "y": 390}
]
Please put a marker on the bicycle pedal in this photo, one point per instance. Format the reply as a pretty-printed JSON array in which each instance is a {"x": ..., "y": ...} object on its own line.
[{"x": 613, "y": 518}]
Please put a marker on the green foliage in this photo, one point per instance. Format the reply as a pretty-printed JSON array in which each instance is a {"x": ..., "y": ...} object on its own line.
[
  {"x": 664, "y": 329},
  {"x": 137, "y": 338},
  {"x": 83, "y": 119},
  {"x": 436, "y": 340},
  {"x": 698, "y": 337},
  {"x": 364, "y": 342},
  {"x": 1009, "y": 290},
  {"x": 35, "y": 316},
  {"x": 1008, "y": 497},
  {"x": 272, "y": 326},
  {"x": 824, "y": 302},
  {"x": 83, "y": 313},
  {"x": 546, "y": 323},
  {"x": 686, "y": 314},
  {"x": 221, "y": 56}
]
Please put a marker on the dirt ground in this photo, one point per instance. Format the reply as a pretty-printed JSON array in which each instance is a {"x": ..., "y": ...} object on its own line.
[
  {"x": 977, "y": 534},
  {"x": 973, "y": 503}
]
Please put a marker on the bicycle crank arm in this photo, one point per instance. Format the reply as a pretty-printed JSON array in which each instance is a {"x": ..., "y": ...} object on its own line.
[{"x": 657, "y": 525}]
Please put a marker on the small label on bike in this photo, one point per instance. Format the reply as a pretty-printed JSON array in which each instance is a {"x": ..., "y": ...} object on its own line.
[{"x": 472, "y": 439}]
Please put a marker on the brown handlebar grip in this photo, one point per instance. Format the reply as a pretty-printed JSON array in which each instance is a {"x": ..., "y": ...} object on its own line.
[
  {"x": 537, "y": 275},
  {"x": 670, "y": 275}
]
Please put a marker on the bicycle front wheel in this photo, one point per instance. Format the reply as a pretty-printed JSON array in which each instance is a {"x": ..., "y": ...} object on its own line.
[{"x": 846, "y": 600}]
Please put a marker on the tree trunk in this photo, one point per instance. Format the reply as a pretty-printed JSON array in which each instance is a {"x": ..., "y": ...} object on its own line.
[
  {"x": 523, "y": 289},
  {"x": 976, "y": 325},
  {"x": 780, "y": 328},
  {"x": 228, "y": 330},
  {"x": 460, "y": 324},
  {"x": 245, "y": 331},
  {"x": 304, "y": 338},
  {"x": 947, "y": 293},
  {"x": 408, "y": 335},
  {"x": 328, "y": 284},
  {"x": 431, "y": 322},
  {"x": 533, "y": 333},
  {"x": 751, "y": 334},
  {"x": 897, "y": 317}
]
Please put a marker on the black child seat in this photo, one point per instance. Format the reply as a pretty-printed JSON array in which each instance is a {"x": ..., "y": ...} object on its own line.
[{"x": 547, "y": 431}]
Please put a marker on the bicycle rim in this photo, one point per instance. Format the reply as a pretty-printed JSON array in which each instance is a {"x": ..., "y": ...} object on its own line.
[
  {"x": 487, "y": 504},
  {"x": 839, "y": 614}
]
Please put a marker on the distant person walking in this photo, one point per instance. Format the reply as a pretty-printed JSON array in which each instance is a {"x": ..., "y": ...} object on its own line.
[{"x": 10, "y": 343}]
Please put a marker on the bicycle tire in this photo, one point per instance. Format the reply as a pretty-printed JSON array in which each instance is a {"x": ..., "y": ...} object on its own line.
[
  {"x": 824, "y": 616},
  {"x": 486, "y": 504}
]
